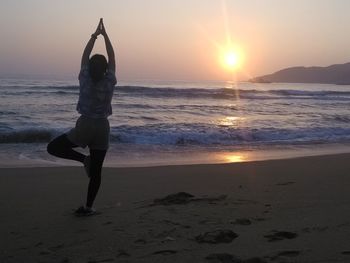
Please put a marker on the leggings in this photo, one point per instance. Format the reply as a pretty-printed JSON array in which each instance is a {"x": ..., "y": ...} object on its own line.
[{"x": 62, "y": 147}]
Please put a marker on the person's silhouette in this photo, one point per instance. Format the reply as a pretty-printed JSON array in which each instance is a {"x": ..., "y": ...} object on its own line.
[{"x": 96, "y": 80}]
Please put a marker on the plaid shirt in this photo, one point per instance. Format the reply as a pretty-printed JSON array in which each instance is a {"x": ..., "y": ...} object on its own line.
[{"x": 95, "y": 98}]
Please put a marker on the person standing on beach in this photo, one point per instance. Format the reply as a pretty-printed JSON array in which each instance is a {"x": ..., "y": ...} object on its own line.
[{"x": 96, "y": 80}]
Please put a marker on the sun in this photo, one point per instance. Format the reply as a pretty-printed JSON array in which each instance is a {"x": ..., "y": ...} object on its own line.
[{"x": 231, "y": 59}]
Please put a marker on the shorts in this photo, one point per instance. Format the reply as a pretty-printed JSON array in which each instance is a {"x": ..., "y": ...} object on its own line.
[{"x": 90, "y": 132}]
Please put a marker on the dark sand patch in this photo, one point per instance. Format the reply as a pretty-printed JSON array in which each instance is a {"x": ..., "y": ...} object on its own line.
[{"x": 280, "y": 235}]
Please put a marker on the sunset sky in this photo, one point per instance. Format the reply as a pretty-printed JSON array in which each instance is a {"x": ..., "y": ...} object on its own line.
[{"x": 171, "y": 40}]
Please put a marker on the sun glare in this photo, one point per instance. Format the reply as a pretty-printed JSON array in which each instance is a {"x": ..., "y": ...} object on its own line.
[
  {"x": 234, "y": 158},
  {"x": 230, "y": 51},
  {"x": 231, "y": 59}
]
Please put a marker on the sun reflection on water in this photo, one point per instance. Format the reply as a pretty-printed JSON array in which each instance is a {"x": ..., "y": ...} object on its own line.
[
  {"x": 235, "y": 158},
  {"x": 229, "y": 84},
  {"x": 233, "y": 121}
]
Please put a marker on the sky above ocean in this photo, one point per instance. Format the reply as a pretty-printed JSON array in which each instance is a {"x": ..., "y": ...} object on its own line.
[{"x": 170, "y": 40}]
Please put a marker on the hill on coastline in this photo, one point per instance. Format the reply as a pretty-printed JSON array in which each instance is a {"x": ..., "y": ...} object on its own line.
[{"x": 334, "y": 74}]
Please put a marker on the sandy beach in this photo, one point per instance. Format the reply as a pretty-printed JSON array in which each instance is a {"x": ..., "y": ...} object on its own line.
[{"x": 293, "y": 210}]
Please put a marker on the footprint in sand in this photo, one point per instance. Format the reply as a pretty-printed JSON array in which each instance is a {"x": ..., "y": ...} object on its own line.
[
  {"x": 289, "y": 253},
  {"x": 164, "y": 252},
  {"x": 254, "y": 260},
  {"x": 140, "y": 241},
  {"x": 242, "y": 222},
  {"x": 82, "y": 231},
  {"x": 45, "y": 252},
  {"x": 38, "y": 244},
  {"x": 217, "y": 236},
  {"x": 286, "y": 183},
  {"x": 122, "y": 253},
  {"x": 285, "y": 254},
  {"x": 259, "y": 219},
  {"x": 183, "y": 198},
  {"x": 280, "y": 235},
  {"x": 58, "y": 247},
  {"x": 315, "y": 228},
  {"x": 101, "y": 260},
  {"x": 222, "y": 257},
  {"x": 228, "y": 258}
]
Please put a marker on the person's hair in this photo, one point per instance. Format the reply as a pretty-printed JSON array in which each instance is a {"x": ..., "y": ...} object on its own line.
[{"x": 97, "y": 67}]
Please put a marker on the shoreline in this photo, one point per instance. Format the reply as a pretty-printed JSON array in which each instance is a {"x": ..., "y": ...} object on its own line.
[
  {"x": 290, "y": 210},
  {"x": 184, "y": 165},
  {"x": 35, "y": 155}
]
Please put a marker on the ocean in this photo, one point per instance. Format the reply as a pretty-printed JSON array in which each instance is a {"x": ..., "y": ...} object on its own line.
[{"x": 179, "y": 122}]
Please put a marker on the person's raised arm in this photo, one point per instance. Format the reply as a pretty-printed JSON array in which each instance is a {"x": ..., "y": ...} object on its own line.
[
  {"x": 90, "y": 46},
  {"x": 109, "y": 49}
]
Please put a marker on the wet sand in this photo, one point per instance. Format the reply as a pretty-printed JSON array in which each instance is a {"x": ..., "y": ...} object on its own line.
[{"x": 295, "y": 210}]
